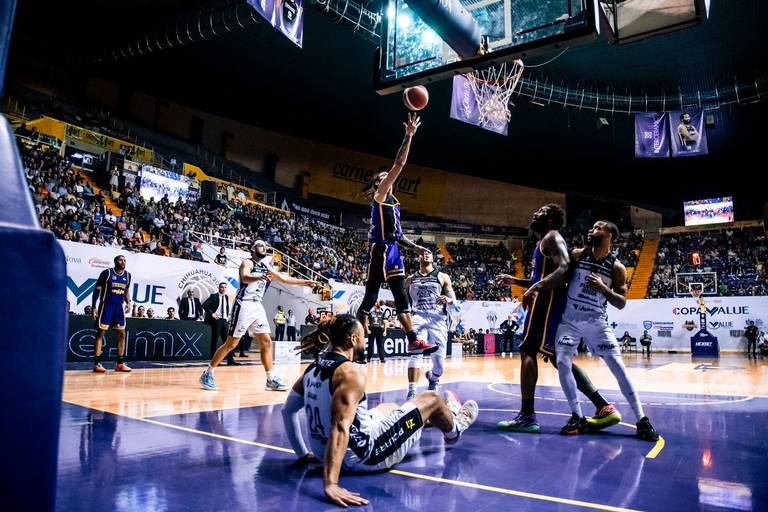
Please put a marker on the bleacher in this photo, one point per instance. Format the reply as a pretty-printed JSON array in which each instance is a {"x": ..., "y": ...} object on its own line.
[{"x": 738, "y": 254}]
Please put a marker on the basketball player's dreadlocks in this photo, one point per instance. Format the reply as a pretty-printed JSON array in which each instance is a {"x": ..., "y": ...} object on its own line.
[{"x": 330, "y": 333}]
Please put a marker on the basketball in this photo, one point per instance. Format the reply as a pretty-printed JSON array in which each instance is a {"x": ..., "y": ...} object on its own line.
[{"x": 416, "y": 98}]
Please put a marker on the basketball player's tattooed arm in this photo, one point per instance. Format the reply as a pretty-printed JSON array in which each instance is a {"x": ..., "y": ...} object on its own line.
[
  {"x": 616, "y": 295},
  {"x": 402, "y": 156},
  {"x": 350, "y": 388},
  {"x": 554, "y": 246}
]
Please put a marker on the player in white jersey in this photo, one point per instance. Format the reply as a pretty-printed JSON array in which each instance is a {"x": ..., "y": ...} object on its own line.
[
  {"x": 248, "y": 314},
  {"x": 343, "y": 432},
  {"x": 430, "y": 292},
  {"x": 597, "y": 279}
]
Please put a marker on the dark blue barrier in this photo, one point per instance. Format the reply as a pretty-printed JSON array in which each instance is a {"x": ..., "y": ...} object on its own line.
[{"x": 145, "y": 340}]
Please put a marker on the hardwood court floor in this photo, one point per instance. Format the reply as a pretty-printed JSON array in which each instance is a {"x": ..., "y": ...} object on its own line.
[
  {"x": 172, "y": 388},
  {"x": 153, "y": 440}
]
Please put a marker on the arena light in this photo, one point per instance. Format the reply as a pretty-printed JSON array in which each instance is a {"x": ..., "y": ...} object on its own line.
[
  {"x": 404, "y": 21},
  {"x": 429, "y": 37},
  {"x": 390, "y": 12}
]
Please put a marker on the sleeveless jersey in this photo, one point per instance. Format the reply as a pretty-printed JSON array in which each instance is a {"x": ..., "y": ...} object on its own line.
[
  {"x": 424, "y": 291},
  {"x": 385, "y": 220},
  {"x": 115, "y": 286},
  {"x": 318, "y": 398},
  {"x": 582, "y": 300},
  {"x": 255, "y": 290}
]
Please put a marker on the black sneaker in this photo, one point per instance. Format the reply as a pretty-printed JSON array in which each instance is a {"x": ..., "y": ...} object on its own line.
[
  {"x": 645, "y": 430},
  {"x": 575, "y": 426}
]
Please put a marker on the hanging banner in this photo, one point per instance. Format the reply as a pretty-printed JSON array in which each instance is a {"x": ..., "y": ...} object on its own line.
[
  {"x": 287, "y": 16},
  {"x": 689, "y": 137},
  {"x": 464, "y": 107},
  {"x": 652, "y": 135}
]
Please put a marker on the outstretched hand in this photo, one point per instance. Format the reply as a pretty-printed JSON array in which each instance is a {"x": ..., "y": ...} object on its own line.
[
  {"x": 504, "y": 280},
  {"x": 343, "y": 497},
  {"x": 414, "y": 121}
]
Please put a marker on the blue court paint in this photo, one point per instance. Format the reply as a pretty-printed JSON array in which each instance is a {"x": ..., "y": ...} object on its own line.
[{"x": 716, "y": 457}]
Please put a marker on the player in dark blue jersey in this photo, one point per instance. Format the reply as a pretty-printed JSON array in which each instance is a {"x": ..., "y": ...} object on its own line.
[
  {"x": 544, "y": 302},
  {"x": 112, "y": 292},
  {"x": 384, "y": 240}
]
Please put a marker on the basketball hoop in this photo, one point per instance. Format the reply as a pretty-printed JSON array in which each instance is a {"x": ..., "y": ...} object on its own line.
[
  {"x": 696, "y": 289},
  {"x": 492, "y": 88}
]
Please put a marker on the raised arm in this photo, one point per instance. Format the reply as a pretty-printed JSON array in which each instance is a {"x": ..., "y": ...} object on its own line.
[
  {"x": 402, "y": 157},
  {"x": 349, "y": 391}
]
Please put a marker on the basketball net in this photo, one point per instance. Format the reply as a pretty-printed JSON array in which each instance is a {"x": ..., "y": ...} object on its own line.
[
  {"x": 492, "y": 88},
  {"x": 696, "y": 292}
]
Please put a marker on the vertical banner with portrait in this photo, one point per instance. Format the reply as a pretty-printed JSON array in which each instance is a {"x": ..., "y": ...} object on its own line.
[
  {"x": 652, "y": 135},
  {"x": 688, "y": 132},
  {"x": 287, "y": 16},
  {"x": 464, "y": 107}
]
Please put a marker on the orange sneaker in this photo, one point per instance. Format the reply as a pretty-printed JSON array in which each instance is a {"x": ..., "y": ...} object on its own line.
[
  {"x": 122, "y": 367},
  {"x": 97, "y": 368}
]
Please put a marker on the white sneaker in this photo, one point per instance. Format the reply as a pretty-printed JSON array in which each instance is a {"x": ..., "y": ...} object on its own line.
[
  {"x": 276, "y": 384},
  {"x": 466, "y": 417},
  {"x": 452, "y": 399}
]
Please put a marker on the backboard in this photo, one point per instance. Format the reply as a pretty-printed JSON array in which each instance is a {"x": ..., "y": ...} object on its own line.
[
  {"x": 411, "y": 53},
  {"x": 633, "y": 20},
  {"x": 703, "y": 282}
]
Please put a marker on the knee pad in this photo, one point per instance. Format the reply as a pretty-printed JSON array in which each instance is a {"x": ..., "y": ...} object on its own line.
[
  {"x": 397, "y": 287},
  {"x": 414, "y": 361}
]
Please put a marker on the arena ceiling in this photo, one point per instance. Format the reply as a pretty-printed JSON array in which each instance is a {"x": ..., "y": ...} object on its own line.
[{"x": 324, "y": 92}]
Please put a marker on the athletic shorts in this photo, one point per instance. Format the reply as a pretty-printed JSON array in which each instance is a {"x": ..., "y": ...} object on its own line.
[
  {"x": 540, "y": 330},
  {"x": 596, "y": 332},
  {"x": 433, "y": 330},
  {"x": 111, "y": 315},
  {"x": 389, "y": 439},
  {"x": 385, "y": 261},
  {"x": 248, "y": 316}
]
